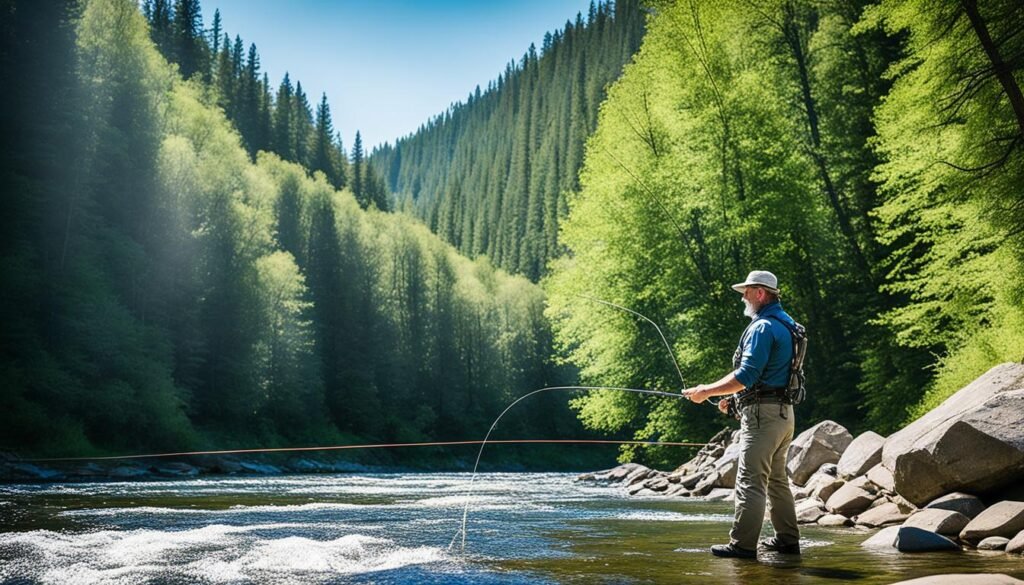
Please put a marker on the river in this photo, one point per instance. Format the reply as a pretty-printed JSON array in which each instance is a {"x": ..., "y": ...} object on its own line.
[{"x": 397, "y": 528}]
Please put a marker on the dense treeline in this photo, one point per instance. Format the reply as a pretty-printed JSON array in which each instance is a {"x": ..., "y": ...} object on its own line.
[
  {"x": 490, "y": 174},
  {"x": 281, "y": 122},
  {"x": 870, "y": 155},
  {"x": 163, "y": 290}
]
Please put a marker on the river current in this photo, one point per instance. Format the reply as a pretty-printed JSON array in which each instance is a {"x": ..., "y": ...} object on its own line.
[{"x": 400, "y": 528}]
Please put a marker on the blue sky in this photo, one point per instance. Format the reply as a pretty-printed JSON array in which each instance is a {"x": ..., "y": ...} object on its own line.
[{"x": 389, "y": 65}]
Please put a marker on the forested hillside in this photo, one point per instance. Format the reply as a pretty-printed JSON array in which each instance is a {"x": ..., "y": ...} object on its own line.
[
  {"x": 490, "y": 174},
  {"x": 164, "y": 289},
  {"x": 869, "y": 154}
]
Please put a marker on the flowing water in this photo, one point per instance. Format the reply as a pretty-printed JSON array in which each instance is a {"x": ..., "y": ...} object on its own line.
[{"x": 396, "y": 528}]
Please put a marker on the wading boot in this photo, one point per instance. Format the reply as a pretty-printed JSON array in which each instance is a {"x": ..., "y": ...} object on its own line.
[
  {"x": 773, "y": 544},
  {"x": 732, "y": 551}
]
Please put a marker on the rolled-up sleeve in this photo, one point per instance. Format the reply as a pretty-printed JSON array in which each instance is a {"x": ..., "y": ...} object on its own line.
[{"x": 756, "y": 349}]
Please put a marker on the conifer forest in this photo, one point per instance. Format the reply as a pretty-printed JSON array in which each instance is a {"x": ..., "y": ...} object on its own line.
[{"x": 192, "y": 258}]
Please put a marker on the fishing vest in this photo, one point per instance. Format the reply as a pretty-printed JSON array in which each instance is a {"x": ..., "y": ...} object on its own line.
[{"x": 794, "y": 391}]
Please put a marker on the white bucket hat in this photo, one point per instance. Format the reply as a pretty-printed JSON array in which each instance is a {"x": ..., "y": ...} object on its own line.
[{"x": 761, "y": 278}]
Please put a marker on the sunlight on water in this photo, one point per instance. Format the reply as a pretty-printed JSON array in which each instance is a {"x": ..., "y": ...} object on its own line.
[{"x": 395, "y": 528}]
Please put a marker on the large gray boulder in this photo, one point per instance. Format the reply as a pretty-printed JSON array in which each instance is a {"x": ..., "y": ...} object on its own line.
[
  {"x": 966, "y": 504},
  {"x": 911, "y": 539},
  {"x": 945, "y": 522},
  {"x": 884, "y": 538},
  {"x": 1016, "y": 544},
  {"x": 727, "y": 465},
  {"x": 974, "y": 441},
  {"x": 1002, "y": 519},
  {"x": 810, "y": 510},
  {"x": 881, "y": 477},
  {"x": 849, "y": 500},
  {"x": 863, "y": 453},
  {"x": 884, "y": 515},
  {"x": 820, "y": 444}
]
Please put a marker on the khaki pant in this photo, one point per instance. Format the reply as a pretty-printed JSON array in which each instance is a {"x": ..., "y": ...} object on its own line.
[{"x": 765, "y": 436}]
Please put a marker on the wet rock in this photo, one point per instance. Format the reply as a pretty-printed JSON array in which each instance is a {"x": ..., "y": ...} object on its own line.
[
  {"x": 964, "y": 579},
  {"x": 309, "y": 466},
  {"x": 89, "y": 470},
  {"x": 639, "y": 476},
  {"x": 691, "y": 480},
  {"x": 127, "y": 472},
  {"x": 261, "y": 468},
  {"x": 677, "y": 491},
  {"x": 884, "y": 538},
  {"x": 809, "y": 511},
  {"x": 174, "y": 469},
  {"x": 834, "y": 520},
  {"x": 884, "y": 515},
  {"x": 658, "y": 484},
  {"x": 966, "y": 504},
  {"x": 972, "y": 442},
  {"x": 820, "y": 444},
  {"x": 993, "y": 543},
  {"x": 29, "y": 471},
  {"x": 911, "y": 539},
  {"x": 1016, "y": 544},
  {"x": 1002, "y": 519},
  {"x": 945, "y": 522},
  {"x": 863, "y": 453},
  {"x": 705, "y": 485},
  {"x": 613, "y": 475},
  {"x": 849, "y": 500},
  {"x": 720, "y": 495}
]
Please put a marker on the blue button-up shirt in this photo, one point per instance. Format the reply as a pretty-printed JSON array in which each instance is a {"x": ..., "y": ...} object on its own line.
[{"x": 766, "y": 349}]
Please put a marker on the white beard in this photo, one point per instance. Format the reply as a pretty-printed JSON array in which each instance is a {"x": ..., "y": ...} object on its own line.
[{"x": 750, "y": 309}]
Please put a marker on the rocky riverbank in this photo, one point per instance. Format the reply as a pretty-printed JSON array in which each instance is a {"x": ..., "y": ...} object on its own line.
[
  {"x": 951, "y": 480},
  {"x": 13, "y": 469}
]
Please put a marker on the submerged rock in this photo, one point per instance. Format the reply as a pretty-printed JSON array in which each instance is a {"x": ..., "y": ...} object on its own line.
[
  {"x": 911, "y": 539},
  {"x": 884, "y": 538},
  {"x": 993, "y": 543},
  {"x": 945, "y": 522}
]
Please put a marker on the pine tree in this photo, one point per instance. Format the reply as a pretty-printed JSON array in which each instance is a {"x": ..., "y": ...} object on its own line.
[
  {"x": 190, "y": 51},
  {"x": 283, "y": 139},
  {"x": 358, "y": 186},
  {"x": 325, "y": 155}
]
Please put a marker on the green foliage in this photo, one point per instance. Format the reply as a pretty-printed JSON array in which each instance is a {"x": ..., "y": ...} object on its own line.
[
  {"x": 951, "y": 133},
  {"x": 166, "y": 292},
  {"x": 734, "y": 140},
  {"x": 490, "y": 174}
]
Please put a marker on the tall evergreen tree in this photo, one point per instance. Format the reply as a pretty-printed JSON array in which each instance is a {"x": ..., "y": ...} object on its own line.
[
  {"x": 358, "y": 184},
  {"x": 325, "y": 153}
]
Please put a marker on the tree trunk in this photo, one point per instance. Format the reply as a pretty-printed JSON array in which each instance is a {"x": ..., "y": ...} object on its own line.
[{"x": 1002, "y": 69}]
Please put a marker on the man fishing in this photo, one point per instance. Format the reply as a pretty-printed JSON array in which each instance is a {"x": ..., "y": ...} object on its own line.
[{"x": 757, "y": 391}]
